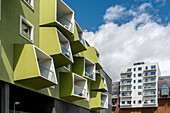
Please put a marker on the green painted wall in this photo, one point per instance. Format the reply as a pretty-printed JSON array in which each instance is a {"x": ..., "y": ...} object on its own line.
[
  {"x": 10, "y": 36},
  {"x": 10, "y": 33}
]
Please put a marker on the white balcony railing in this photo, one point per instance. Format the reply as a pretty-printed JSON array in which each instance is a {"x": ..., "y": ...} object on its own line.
[
  {"x": 89, "y": 73},
  {"x": 64, "y": 21},
  {"x": 46, "y": 73},
  {"x": 80, "y": 91},
  {"x": 65, "y": 51},
  {"x": 103, "y": 103}
]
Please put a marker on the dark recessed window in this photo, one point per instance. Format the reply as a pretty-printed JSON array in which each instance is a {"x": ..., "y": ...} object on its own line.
[
  {"x": 139, "y": 68},
  {"x": 139, "y": 74}
]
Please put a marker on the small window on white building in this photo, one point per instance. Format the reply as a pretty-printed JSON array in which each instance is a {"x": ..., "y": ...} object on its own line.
[
  {"x": 30, "y": 3},
  {"x": 26, "y": 29},
  {"x": 123, "y": 102},
  {"x": 139, "y": 101}
]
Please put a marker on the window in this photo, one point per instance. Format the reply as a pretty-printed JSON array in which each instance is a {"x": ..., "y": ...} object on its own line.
[
  {"x": 139, "y": 74},
  {"x": 134, "y": 81},
  {"x": 146, "y": 101},
  {"x": 30, "y": 3},
  {"x": 134, "y": 75},
  {"x": 146, "y": 80},
  {"x": 146, "y": 74},
  {"x": 164, "y": 91},
  {"x": 139, "y": 68},
  {"x": 134, "y": 102},
  {"x": 115, "y": 89},
  {"x": 146, "y": 92},
  {"x": 129, "y": 70},
  {"x": 153, "y": 101},
  {"x": 123, "y": 102},
  {"x": 153, "y": 79},
  {"x": 146, "y": 67},
  {"x": 26, "y": 29},
  {"x": 139, "y": 93},
  {"x": 128, "y": 88},
  {"x": 128, "y": 82},
  {"x": 128, "y": 102},
  {"x": 139, "y": 101},
  {"x": 159, "y": 92},
  {"x": 164, "y": 85},
  {"x": 128, "y": 76},
  {"x": 153, "y": 67},
  {"x": 139, "y": 81},
  {"x": 139, "y": 87},
  {"x": 122, "y": 88},
  {"x": 153, "y": 73},
  {"x": 114, "y": 95},
  {"x": 153, "y": 92},
  {"x": 134, "y": 69},
  {"x": 134, "y": 87}
]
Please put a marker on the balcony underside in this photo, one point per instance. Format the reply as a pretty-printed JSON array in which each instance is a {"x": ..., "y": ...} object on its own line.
[
  {"x": 61, "y": 60},
  {"x": 77, "y": 46},
  {"x": 61, "y": 28},
  {"x": 36, "y": 83}
]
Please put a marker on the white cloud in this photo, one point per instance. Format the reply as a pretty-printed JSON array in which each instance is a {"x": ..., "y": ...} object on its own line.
[
  {"x": 144, "y": 6},
  {"x": 113, "y": 13},
  {"x": 123, "y": 45}
]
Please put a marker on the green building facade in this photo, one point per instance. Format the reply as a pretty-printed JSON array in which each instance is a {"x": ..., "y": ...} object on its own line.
[{"x": 43, "y": 51}]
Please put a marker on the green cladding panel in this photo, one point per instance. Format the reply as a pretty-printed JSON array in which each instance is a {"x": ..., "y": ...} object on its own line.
[
  {"x": 76, "y": 43},
  {"x": 98, "y": 84},
  {"x": 78, "y": 66},
  {"x": 49, "y": 43},
  {"x": 26, "y": 69},
  {"x": 95, "y": 100},
  {"x": 90, "y": 54}
]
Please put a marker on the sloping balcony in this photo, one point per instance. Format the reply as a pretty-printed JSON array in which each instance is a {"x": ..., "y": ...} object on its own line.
[
  {"x": 33, "y": 67},
  {"x": 72, "y": 87},
  {"x": 55, "y": 44},
  {"x": 91, "y": 54},
  {"x": 84, "y": 67},
  {"x": 99, "y": 100},
  {"x": 77, "y": 40},
  {"x": 100, "y": 83},
  {"x": 55, "y": 13}
]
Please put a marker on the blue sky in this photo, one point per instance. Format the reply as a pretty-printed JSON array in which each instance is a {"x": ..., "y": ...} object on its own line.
[
  {"x": 126, "y": 31},
  {"x": 89, "y": 13}
]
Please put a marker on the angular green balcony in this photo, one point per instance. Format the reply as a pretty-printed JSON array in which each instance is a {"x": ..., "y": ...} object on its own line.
[
  {"x": 100, "y": 83},
  {"x": 84, "y": 67},
  {"x": 72, "y": 86},
  {"x": 77, "y": 41},
  {"x": 93, "y": 56},
  {"x": 55, "y": 44},
  {"x": 55, "y": 13},
  {"x": 98, "y": 101},
  {"x": 33, "y": 67}
]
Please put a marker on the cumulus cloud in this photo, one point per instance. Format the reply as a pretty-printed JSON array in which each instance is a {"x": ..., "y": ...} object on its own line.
[
  {"x": 140, "y": 39},
  {"x": 114, "y": 13}
]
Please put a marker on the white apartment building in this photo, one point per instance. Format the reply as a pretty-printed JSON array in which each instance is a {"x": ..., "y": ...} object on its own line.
[{"x": 139, "y": 85}]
